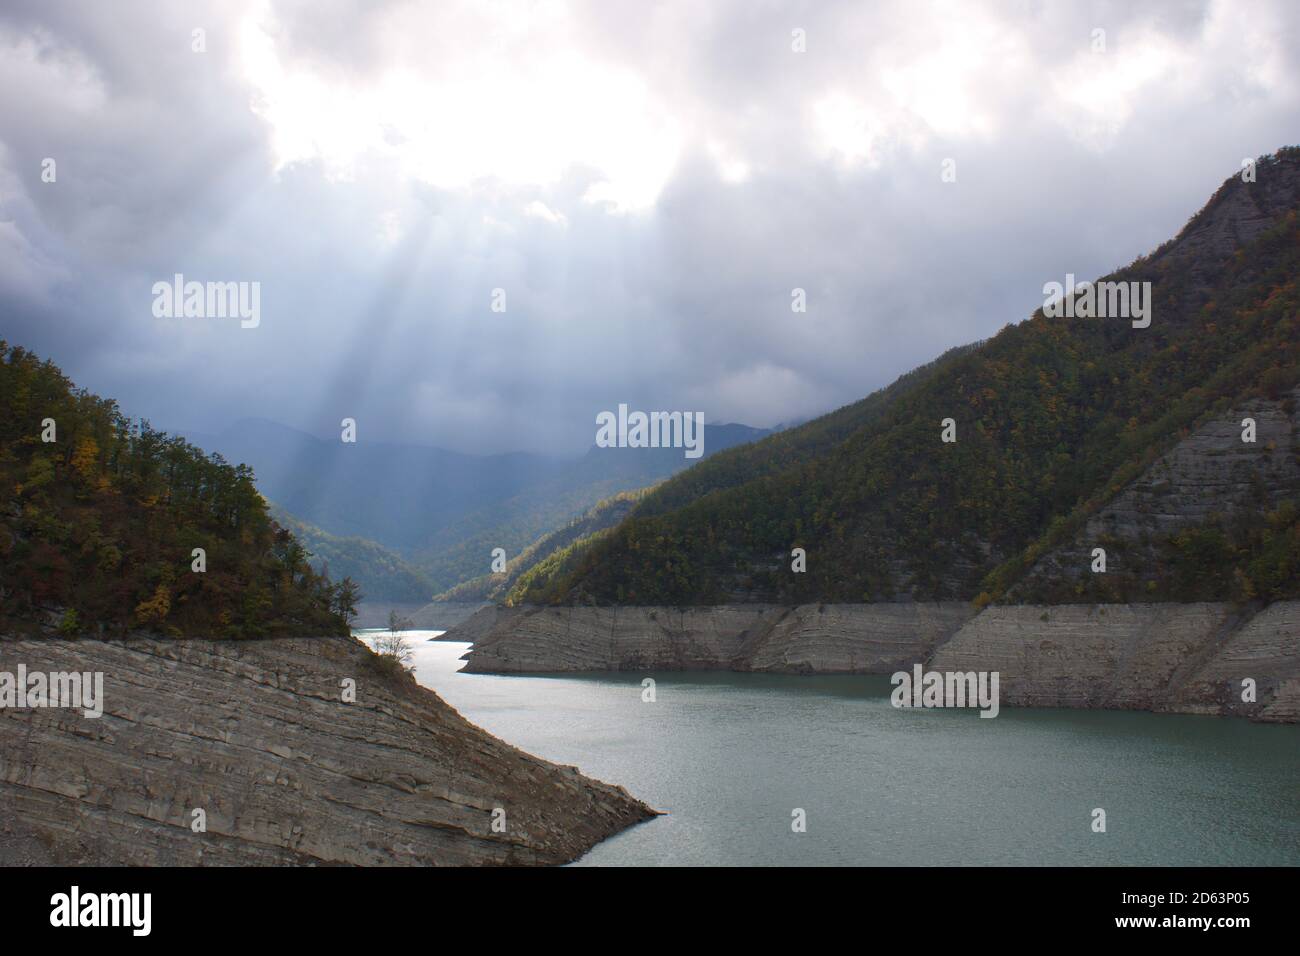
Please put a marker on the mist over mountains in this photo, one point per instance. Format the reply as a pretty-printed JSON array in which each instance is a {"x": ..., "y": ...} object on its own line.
[{"x": 439, "y": 513}]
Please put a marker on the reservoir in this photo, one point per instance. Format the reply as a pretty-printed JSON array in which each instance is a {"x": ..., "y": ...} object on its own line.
[{"x": 728, "y": 757}]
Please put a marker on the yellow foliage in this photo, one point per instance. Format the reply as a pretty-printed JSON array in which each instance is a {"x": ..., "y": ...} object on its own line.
[
  {"x": 156, "y": 609},
  {"x": 85, "y": 458}
]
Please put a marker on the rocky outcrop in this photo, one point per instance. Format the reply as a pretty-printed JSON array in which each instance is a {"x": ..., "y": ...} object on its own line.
[
  {"x": 828, "y": 638},
  {"x": 1120, "y": 656},
  {"x": 257, "y": 735},
  {"x": 1266, "y": 650},
  {"x": 1210, "y": 474},
  {"x": 1237, "y": 214},
  {"x": 1184, "y": 658},
  {"x": 536, "y": 640},
  {"x": 1187, "y": 658},
  {"x": 851, "y": 638}
]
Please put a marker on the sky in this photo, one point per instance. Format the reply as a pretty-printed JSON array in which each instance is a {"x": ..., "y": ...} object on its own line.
[{"x": 641, "y": 186}]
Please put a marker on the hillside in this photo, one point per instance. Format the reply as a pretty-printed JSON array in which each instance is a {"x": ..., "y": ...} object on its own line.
[
  {"x": 1213, "y": 515},
  {"x": 381, "y": 574},
  {"x": 552, "y": 546},
  {"x": 391, "y": 493},
  {"x": 100, "y": 518},
  {"x": 1054, "y": 417},
  {"x": 460, "y": 551},
  {"x": 441, "y": 512}
]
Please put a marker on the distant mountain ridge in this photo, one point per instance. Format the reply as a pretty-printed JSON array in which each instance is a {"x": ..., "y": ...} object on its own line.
[
  {"x": 440, "y": 513},
  {"x": 380, "y": 573},
  {"x": 546, "y": 553},
  {"x": 389, "y": 493}
]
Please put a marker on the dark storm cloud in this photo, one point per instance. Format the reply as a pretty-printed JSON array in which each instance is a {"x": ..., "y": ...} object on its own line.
[{"x": 377, "y": 250}]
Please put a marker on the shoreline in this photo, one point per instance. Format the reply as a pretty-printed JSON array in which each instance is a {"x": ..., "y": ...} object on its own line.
[
  {"x": 1162, "y": 657},
  {"x": 257, "y": 735}
]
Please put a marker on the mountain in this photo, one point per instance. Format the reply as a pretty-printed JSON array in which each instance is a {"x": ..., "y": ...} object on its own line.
[
  {"x": 1059, "y": 423},
  {"x": 543, "y": 555},
  {"x": 461, "y": 551},
  {"x": 102, "y": 520},
  {"x": 394, "y": 494},
  {"x": 381, "y": 574},
  {"x": 441, "y": 512}
]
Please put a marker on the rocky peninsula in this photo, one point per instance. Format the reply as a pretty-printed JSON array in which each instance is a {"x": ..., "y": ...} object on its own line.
[{"x": 259, "y": 741}]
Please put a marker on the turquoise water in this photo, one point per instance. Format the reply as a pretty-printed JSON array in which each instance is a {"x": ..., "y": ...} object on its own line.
[{"x": 730, "y": 756}]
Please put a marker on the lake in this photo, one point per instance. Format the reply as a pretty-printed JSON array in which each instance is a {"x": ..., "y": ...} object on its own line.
[{"x": 729, "y": 757}]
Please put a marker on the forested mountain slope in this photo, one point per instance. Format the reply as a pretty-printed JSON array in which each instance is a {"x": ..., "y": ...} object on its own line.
[
  {"x": 442, "y": 512},
  {"x": 460, "y": 551},
  {"x": 1054, "y": 417},
  {"x": 391, "y": 493},
  {"x": 546, "y": 550},
  {"x": 100, "y": 518},
  {"x": 380, "y": 573}
]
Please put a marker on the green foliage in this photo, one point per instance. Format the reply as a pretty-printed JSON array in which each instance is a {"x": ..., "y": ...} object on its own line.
[
  {"x": 98, "y": 527},
  {"x": 343, "y": 601},
  {"x": 530, "y": 587},
  {"x": 380, "y": 573},
  {"x": 511, "y": 585},
  {"x": 1054, "y": 416},
  {"x": 1272, "y": 566}
]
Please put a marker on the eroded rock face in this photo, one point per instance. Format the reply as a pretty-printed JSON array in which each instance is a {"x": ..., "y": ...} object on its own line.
[
  {"x": 852, "y": 638},
  {"x": 1183, "y": 658},
  {"x": 537, "y": 640},
  {"x": 1186, "y": 658},
  {"x": 1210, "y": 472},
  {"x": 1235, "y": 216},
  {"x": 256, "y": 734},
  {"x": 1266, "y": 650},
  {"x": 827, "y": 638},
  {"x": 1124, "y": 656}
]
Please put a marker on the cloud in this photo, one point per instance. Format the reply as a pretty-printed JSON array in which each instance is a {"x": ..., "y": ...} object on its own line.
[{"x": 646, "y": 186}]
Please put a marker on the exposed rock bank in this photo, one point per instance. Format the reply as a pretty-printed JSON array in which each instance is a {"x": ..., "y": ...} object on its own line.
[
  {"x": 1186, "y": 658},
  {"x": 828, "y": 638},
  {"x": 1210, "y": 474},
  {"x": 256, "y": 734}
]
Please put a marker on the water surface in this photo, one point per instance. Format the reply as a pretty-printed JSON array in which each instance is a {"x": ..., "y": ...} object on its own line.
[{"x": 729, "y": 756}]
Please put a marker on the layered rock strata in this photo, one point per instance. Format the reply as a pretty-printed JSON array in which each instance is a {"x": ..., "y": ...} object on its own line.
[
  {"x": 258, "y": 737},
  {"x": 1188, "y": 658},
  {"x": 828, "y": 638}
]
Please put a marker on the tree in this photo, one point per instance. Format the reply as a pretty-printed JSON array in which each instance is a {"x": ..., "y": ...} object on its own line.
[
  {"x": 394, "y": 645},
  {"x": 396, "y": 622},
  {"x": 101, "y": 519},
  {"x": 346, "y": 596}
]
